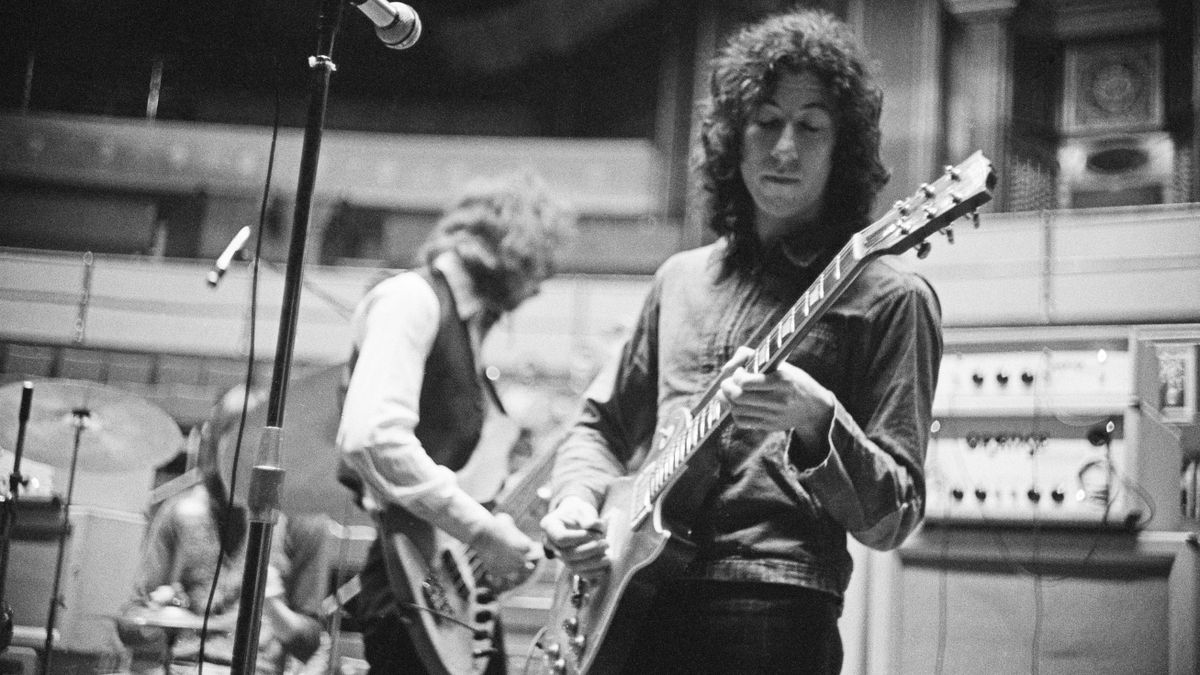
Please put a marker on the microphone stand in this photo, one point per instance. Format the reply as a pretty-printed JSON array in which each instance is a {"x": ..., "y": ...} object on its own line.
[{"x": 266, "y": 477}]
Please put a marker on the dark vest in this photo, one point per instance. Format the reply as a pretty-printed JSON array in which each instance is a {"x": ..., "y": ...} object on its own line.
[{"x": 452, "y": 394}]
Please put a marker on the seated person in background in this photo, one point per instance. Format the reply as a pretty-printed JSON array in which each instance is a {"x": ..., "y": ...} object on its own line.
[{"x": 180, "y": 558}]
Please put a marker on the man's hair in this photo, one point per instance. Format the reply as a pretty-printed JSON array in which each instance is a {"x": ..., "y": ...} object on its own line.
[
  {"x": 744, "y": 75},
  {"x": 507, "y": 230}
]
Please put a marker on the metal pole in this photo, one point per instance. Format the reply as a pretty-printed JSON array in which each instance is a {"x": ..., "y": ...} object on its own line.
[{"x": 267, "y": 476}]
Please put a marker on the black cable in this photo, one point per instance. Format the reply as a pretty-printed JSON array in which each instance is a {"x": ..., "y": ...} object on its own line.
[{"x": 250, "y": 358}]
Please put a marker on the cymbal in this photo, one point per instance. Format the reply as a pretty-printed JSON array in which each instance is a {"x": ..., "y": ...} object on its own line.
[{"x": 120, "y": 431}]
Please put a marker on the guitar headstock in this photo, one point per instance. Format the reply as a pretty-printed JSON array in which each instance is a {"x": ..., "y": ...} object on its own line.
[{"x": 933, "y": 207}]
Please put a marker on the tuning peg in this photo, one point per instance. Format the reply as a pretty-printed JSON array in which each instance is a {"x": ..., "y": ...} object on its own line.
[
  {"x": 975, "y": 219},
  {"x": 927, "y": 190},
  {"x": 949, "y": 232},
  {"x": 952, "y": 172},
  {"x": 923, "y": 249}
]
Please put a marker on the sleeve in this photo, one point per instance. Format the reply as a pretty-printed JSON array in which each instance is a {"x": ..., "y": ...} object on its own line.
[
  {"x": 158, "y": 552},
  {"x": 377, "y": 434},
  {"x": 154, "y": 570},
  {"x": 871, "y": 480},
  {"x": 297, "y": 557},
  {"x": 617, "y": 417}
]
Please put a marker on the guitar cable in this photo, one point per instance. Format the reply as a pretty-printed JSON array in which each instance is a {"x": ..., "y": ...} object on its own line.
[
  {"x": 442, "y": 615},
  {"x": 535, "y": 643},
  {"x": 251, "y": 348}
]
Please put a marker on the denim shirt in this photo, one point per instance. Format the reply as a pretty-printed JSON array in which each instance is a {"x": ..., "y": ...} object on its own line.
[{"x": 777, "y": 512}]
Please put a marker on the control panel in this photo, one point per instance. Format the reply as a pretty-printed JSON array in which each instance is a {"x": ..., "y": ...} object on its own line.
[{"x": 1032, "y": 434}]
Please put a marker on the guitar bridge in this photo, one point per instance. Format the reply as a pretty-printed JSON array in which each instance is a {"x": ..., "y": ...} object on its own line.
[{"x": 436, "y": 599}]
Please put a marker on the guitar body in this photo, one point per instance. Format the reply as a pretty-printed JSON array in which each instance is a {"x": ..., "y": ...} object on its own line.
[
  {"x": 449, "y": 613},
  {"x": 448, "y": 603},
  {"x": 592, "y": 622}
]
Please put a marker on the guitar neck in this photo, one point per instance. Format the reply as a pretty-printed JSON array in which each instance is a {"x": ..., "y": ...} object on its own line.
[
  {"x": 932, "y": 208},
  {"x": 521, "y": 499}
]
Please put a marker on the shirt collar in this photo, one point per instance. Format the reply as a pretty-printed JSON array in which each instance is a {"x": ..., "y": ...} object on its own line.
[{"x": 461, "y": 286}]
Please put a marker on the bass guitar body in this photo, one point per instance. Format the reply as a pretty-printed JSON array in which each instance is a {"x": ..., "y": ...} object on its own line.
[
  {"x": 447, "y": 599},
  {"x": 450, "y": 612}
]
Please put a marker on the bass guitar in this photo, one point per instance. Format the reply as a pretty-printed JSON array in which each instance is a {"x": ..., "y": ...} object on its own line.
[
  {"x": 647, "y": 514},
  {"x": 447, "y": 600}
]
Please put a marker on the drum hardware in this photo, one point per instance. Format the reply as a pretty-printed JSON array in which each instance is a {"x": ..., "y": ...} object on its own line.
[
  {"x": 173, "y": 620},
  {"x": 110, "y": 429}
]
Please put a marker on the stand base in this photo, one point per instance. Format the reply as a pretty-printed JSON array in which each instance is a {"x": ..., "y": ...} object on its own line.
[{"x": 19, "y": 661}]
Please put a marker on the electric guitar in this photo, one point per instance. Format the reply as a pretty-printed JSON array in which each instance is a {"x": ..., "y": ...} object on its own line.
[
  {"x": 448, "y": 602},
  {"x": 647, "y": 514}
]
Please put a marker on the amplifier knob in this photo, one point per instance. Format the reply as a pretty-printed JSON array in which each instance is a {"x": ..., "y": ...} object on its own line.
[{"x": 1034, "y": 495}]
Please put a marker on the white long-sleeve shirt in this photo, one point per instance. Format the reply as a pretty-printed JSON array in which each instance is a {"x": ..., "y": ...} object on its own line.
[{"x": 394, "y": 327}]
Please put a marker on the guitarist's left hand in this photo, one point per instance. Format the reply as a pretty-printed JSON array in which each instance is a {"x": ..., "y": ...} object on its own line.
[{"x": 786, "y": 399}]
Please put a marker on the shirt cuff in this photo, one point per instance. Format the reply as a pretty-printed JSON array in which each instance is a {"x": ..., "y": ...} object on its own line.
[{"x": 438, "y": 500}]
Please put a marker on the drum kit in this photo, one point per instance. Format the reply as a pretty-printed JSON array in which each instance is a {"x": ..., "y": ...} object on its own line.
[{"x": 76, "y": 426}]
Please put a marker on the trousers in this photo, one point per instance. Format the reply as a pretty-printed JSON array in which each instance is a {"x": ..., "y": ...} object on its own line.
[{"x": 714, "y": 627}]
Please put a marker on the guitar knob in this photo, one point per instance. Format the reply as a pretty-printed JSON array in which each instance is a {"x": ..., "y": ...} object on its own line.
[
  {"x": 553, "y": 650},
  {"x": 485, "y": 596},
  {"x": 571, "y": 625},
  {"x": 483, "y": 616},
  {"x": 559, "y": 666},
  {"x": 484, "y": 653},
  {"x": 482, "y": 635},
  {"x": 577, "y": 643}
]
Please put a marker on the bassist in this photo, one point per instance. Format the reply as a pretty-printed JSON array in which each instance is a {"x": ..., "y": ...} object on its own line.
[
  {"x": 829, "y": 443},
  {"x": 416, "y": 402}
]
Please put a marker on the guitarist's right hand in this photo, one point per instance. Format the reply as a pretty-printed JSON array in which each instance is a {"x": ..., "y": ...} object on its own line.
[
  {"x": 575, "y": 533},
  {"x": 506, "y": 552}
]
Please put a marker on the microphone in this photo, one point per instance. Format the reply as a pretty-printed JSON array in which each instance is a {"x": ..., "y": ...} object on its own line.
[
  {"x": 396, "y": 23},
  {"x": 226, "y": 257}
]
